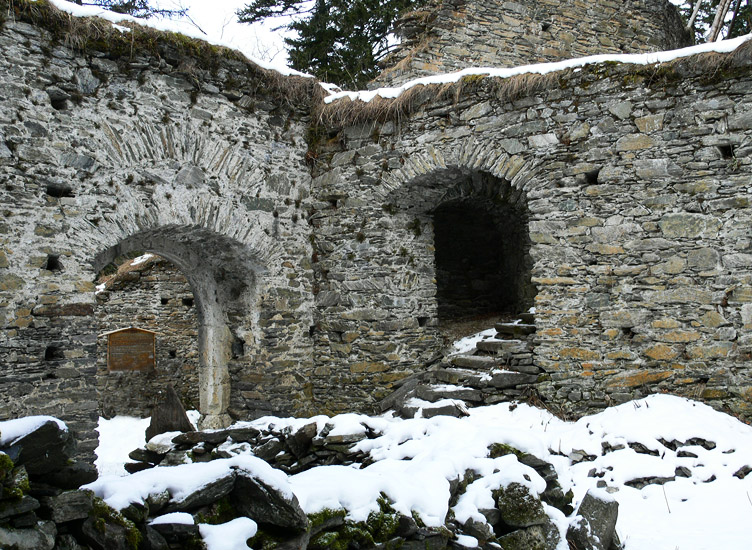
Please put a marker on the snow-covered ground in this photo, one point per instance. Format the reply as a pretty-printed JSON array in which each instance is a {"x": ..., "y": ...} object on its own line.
[{"x": 654, "y": 437}]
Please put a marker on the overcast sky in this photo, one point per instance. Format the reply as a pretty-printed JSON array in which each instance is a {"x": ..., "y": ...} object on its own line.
[{"x": 218, "y": 20}]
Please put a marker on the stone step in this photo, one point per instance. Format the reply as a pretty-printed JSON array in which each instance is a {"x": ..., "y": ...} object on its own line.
[
  {"x": 437, "y": 392},
  {"x": 527, "y": 318},
  {"x": 514, "y": 329},
  {"x": 503, "y": 346},
  {"x": 475, "y": 362},
  {"x": 509, "y": 379},
  {"x": 464, "y": 377}
]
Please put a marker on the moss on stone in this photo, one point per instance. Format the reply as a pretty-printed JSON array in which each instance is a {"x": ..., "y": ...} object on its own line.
[
  {"x": 325, "y": 515},
  {"x": 104, "y": 514},
  {"x": 502, "y": 449},
  {"x": 518, "y": 507},
  {"x": 219, "y": 512}
]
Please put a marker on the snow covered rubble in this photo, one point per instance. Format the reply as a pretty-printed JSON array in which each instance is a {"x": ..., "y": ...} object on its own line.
[{"x": 677, "y": 469}]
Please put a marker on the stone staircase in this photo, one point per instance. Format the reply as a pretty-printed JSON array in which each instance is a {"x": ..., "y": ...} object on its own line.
[{"x": 497, "y": 369}]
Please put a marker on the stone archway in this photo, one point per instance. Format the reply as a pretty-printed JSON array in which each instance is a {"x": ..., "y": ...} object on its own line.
[
  {"x": 476, "y": 227},
  {"x": 482, "y": 261},
  {"x": 222, "y": 274}
]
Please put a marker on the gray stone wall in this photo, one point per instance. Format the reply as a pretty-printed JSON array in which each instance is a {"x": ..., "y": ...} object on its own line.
[
  {"x": 636, "y": 184},
  {"x": 617, "y": 201},
  {"x": 449, "y": 35},
  {"x": 151, "y": 295},
  {"x": 106, "y": 151}
]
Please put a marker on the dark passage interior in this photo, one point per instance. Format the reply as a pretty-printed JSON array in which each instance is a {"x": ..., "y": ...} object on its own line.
[{"x": 482, "y": 259}]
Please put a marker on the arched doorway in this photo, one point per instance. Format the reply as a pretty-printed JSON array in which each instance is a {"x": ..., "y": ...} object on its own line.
[
  {"x": 221, "y": 275},
  {"x": 481, "y": 258},
  {"x": 476, "y": 225}
]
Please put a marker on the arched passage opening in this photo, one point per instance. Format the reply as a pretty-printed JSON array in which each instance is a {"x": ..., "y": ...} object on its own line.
[
  {"x": 478, "y": 233},
  {"x": 480, "y": 259},
  {"x": 221, "y": 275}
]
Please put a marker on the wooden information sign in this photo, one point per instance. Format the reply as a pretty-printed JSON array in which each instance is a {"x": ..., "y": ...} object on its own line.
[{"x": 131, "y": 349}]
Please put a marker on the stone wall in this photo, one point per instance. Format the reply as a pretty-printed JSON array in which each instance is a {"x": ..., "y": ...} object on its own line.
[
  {"x": 151, "y": 295},
  {"x": 449, "y": 35},
  {"x": 636, "y": 188},
  {"x": 148, "y": 142},
  {"x": 615, "y": 199}
]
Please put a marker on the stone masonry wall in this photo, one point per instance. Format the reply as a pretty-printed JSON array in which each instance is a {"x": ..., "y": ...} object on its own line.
[
  {"x": 449, "y": 35},
  {"x": 125, "y": 146},
  {"x": 152, "y": 295},
  {"x": 637, "y": 183},
  {"x": 309, "y": 248}
]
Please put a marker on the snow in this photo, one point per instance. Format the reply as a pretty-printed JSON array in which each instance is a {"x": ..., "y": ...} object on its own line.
[
  {"x": 181, "y": 518},
  {"x": 723, "y": 46},
  {"x": 179, "y": 26},
  {"x": 117, "y": 437},
  {"x": 415, "y": 460},
  {"x": 13, "y": 430},
  {"x": 468, "y": 343},
  {"x": 180, "y": 481},
  {"x": 141, "y": 259},
  {"x": 228, "y": 536}
]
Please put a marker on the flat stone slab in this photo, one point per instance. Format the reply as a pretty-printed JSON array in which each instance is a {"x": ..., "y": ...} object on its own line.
[
  {"x": 514, "y": 329},
  {"x": 475, "y": 362},
  {"x": 503, "y": 346},
  {"x": 510, "y": 379},
  {"x": 435, "y": 393},
  {"x": 462, "y": 376}
]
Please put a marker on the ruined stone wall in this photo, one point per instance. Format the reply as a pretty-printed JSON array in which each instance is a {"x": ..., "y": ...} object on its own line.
[
  {"x": 155, "y": 296},
  {"x": 449, "y": 35},
  {"x": 637, "y": 186},
  {"x": 310, "y": 248},
  {"x": 148, "y": 145}
]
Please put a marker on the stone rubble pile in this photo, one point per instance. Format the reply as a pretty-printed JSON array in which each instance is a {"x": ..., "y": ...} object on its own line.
[
  {"x": 517, "y": 522},
  {"x": 497, "y": 369},
  {"x": 42, "y": 508}
]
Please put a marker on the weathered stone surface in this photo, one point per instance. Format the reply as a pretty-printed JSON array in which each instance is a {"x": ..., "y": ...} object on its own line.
[
  {"x": 69, "y": 506},
  {"x": 519, "y": 508},
  {"x": 266, "y": 505},
  {"x": 445, "y": 37},
  {"x": 168, "y": 415},
  {"x": 41, "y": 537},
  {"x": 212, "y": 492},
  {"x": 46, "y": 449},
  {"x": 324, "y": 283},
  {"x": 595, "y": 527}
]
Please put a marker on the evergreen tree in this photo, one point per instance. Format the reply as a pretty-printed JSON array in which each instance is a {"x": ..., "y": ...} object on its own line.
[
  {"x": 338, "y": 41},
  {"x": 136, "y": 8}
]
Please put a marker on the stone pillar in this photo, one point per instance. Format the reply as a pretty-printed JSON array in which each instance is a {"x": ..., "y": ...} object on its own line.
[{"x": 214, "y": 377}]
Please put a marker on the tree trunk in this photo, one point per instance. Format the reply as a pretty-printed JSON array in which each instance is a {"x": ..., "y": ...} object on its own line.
[{"x": 720, "y": 15}]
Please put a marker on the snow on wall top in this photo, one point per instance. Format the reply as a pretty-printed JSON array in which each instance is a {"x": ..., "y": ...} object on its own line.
[
  {"x": 723, "y": 46},
  {"x": 334, "y": 92},
  {"x": 168, "y": 25}
]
